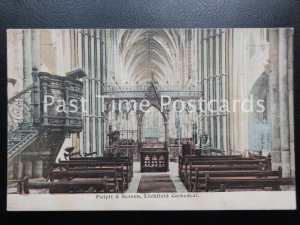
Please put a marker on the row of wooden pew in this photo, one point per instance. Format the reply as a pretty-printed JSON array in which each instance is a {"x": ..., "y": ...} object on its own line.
[
  {"x": 91, "y": 174},
  {"x": 235, "y": 172}
]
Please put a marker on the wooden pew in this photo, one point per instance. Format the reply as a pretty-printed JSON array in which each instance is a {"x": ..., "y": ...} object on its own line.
[
  {"x": 228, "y": 162},
  {"x": 225, "y": 183},
  {"x": 226, "y": 173},
  {"x": 182, "y": 162},
  {"x": 198, "y": 179},
  {"x": 79, "y": 186},
  {"x": 188, "y": 168},
  {"x": 249, "y": 183},
  {"x": 105, "y": 159},
  {"x": 127, "y": 161},
  {"x": 104, "y": 163},
  {"x": 108, "y": 176},
  {"x": 221, "y": 160},
  {"x": 123, "y": 173},
  {"x": 190, "y": 172}
]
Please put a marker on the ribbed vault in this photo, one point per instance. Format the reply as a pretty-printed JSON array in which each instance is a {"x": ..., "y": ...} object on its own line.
[{"x": 150, "y": 55}]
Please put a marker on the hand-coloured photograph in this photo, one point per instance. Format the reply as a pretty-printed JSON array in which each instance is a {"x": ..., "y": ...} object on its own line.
[{"x": 143, "y": 119}]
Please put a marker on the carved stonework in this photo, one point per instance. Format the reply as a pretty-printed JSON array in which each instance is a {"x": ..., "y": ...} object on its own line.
[
  {"x": 153, "y": 97},
  {"x": 36, "y": 135},
  {"x": 61, "y": 90}
]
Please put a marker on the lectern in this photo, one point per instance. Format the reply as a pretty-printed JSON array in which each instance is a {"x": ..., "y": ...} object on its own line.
[{"x": 154, "y": 158}]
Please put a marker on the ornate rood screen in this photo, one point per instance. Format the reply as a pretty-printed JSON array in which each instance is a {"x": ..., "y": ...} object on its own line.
[
  {"x": 150, "y": 91},
  {"x": 122, "y": 100}
]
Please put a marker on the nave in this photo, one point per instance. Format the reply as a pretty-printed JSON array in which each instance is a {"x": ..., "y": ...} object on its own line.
[
  {"x": 172, "y": 174},
  {"x": 167, "y": 69}
]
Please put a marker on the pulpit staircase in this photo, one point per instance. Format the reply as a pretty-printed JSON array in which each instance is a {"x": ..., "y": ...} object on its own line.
[
  {"x": 21, "y": 138},
  {"x": 21, "y": 131},
  {"x": 33, "y": 134}
]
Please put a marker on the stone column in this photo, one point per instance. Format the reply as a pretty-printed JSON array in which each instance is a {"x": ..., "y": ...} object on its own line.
[
  {"x": 204, "y": 61},
  {"x": 93, "y": 92},
  {"x": 67, "y": 50},
  {"x": 139, "y": 131},
  {"x": 27, "y": 59},
  {"x": 139, "y": 118},
  {"x": 37, "y": 168},
  {"x": 87, "y": 92},
  {"x": 211, "y": 82},
  {"x": 217, "y": 86},
  {"x": 28, "y": 167},
  {"x": 283, "y": 103},
  {"x": 166, "y": 133},
  {"x": 18, "y": 168},
  {"x": 229, "y": 48},
  {"x": 224, "y": 87},
  {"x": 35, "y": 46},
  {"x": 14, "y": 168},
  {"x": 290, "y": 34},
  {"x": 79, "y": 65},
  {"x": 274, "y": 97},
  {"x": 99, "y": 92}
]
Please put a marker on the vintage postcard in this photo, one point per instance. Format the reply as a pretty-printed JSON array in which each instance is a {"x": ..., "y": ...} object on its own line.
[{"x": 150, "y": 119}]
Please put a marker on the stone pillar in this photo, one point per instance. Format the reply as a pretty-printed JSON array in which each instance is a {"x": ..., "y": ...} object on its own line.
[
  {"x": 290, "y": 34},
  {"x": 15, "y": 169},
  {"x": 283, "y": 103},
  {"x": 139, "y": 131},
  {"x": 28, "y": 167},
  {"x": 27, "y": 59},
  {"x": 35, "y": 46},
  {"x": 79, "y": 65},
  {"x": 18, "y": 168},
  {"x": 217, "y": 86},
  {"x": 93, "y": 92},
  {"x": 59, "y": 59},
  {"x": 100, "y": 136},
  {"x": 211, "y": 82},
  {"x": 67, "y": 42},
  {"x": 86, "y": 67},
  {"x": 10, "y": 171},
  {"x": 166, "y": 133},
  {"x": 229, "y": 48},
  {"x": 274, "y": 97},
  {"x": 205, "y": 80},
  {"x": 224, "y": 87},
  {"x": 37, "y": 168}
]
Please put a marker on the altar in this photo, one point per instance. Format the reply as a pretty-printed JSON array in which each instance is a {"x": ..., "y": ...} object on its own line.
[{"x": 154, "y": 157}]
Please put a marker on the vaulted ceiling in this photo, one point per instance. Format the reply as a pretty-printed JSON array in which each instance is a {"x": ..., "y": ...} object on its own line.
[{"x": 150, "y": 54}]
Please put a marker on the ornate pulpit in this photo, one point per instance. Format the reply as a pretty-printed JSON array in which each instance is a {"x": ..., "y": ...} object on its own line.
[{"x": 57, "y": 102}]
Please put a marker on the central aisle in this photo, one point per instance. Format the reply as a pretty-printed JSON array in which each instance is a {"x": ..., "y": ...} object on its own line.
[
  {"x": 172, "y": 174},
  {"x": 156, "y": 183}
]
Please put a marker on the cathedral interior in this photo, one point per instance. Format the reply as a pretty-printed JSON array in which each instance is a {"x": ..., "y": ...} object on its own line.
[{"x": 134, "y": 130}]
